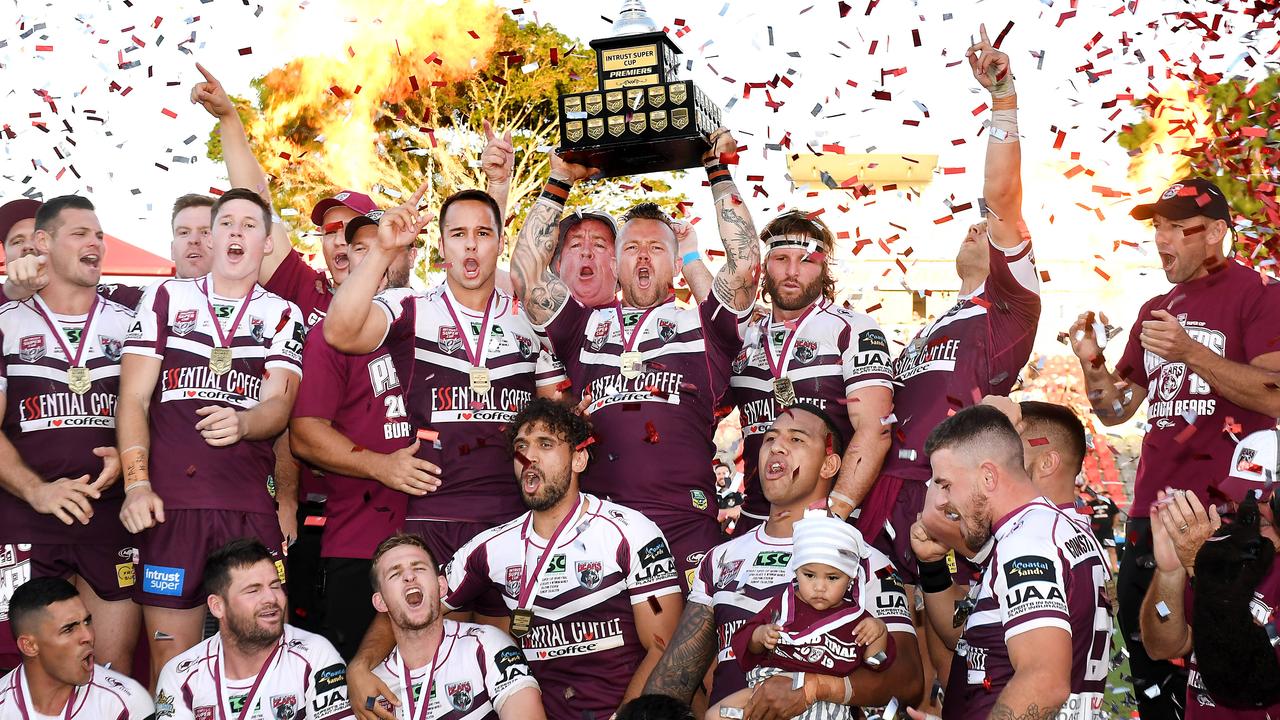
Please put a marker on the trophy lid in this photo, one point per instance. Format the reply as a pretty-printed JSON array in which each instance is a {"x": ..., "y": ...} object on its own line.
[{"x": 633, "y": 19}]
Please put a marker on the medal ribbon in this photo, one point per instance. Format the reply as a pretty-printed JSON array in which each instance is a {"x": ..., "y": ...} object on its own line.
[
  {"x": 253, "y": 691},
  {"x": 529, "y": 585},
  {"x": 779, "y": 367},
  {"x": 24, "y": 689},
  {"x": 477, "y": 357},
  {"x": 421, "y": 710},
  {"x": 224, "y": 340},
  {"x": 635, "y": 334},
  {"x": 47, "y": 316}
]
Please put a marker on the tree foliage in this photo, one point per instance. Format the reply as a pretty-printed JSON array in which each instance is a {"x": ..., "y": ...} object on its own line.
[{"x": 435, "y": 133}]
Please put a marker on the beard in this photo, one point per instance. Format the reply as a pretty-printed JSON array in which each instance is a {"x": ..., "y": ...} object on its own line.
[
  {"x": 248, "y": 633},
  {"x": 977, "y": 536},
  {"x": 808, "y": 293},
  {"x": 400, "y": 617},
  {"x": 552, "y": 491}
]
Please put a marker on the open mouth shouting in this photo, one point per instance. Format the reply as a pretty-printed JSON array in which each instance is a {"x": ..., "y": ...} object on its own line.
[
  {"x": 340, "y": 261},
  {"x": 413, "y": 596},
  {"x": 91, "y": 260},
  {"x": 775, "y": 469},
  {"x": 530, "y": 482},
  {"x": 644, "y": 277},
  {"x": 471, "y": 268},
  {"x": 235, "y": 251}
]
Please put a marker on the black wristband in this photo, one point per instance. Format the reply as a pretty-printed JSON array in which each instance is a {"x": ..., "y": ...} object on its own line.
[{"x": 935, "y": 576}]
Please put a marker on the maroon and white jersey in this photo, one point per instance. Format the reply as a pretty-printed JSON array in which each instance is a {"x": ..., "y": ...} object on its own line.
[
  {"x": 475, "y": 671},
  {"x": 15, "y": 569},
  {"x": 738, "y": 578},
  {"x": 479, "y": 484},
  {"x": 364, "y": 398},
  {"x": 835, "y": 352},
  {"x": 175, "y": 326},
  {"x": 607, "y": 560},
  {"x": 977, "y": 348},
  {"x": 657, "y": 426},
  {"x": 1265, "y": 608},
  {"x": 1045, "y": 571},
  {"x": 126, "y": 295},
  {"x": 1234, "y": 312},
  {"x": 304, "y": 286},
  {"x": 305, "y": 678},
  {"x": 108, "y": 695},
  {"x": 814, "y": 641},
  {"x": 54, "y": 429}
]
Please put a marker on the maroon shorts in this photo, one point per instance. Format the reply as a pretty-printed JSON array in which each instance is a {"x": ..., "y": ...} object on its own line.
[
  {"x": 894, "y": 538},
  {"x": 444, "y": 538},
  {"x": 173, "y": 553},
  {"x": 689, "y": 536},
  {"x": 108, "y": 569}
]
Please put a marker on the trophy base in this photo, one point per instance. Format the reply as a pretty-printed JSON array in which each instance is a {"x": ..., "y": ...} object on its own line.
[{"x": 638, "y": 157}]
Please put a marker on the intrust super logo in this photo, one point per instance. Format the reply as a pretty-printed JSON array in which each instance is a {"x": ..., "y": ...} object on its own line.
[{"x": 161, "y": 580}]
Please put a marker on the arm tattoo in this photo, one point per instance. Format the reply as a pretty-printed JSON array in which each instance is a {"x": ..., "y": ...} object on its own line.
[
  {"x": 541, "y": 290},
  {"x": 736, "y": 283},
  {"x": 680, "y": 671},
  {"x": 1034, "y": 712}
]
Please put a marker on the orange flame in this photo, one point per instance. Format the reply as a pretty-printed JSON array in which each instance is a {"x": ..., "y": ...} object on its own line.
[
  {"x": 321, "y": 115},
  {"x": 1179, "y": 120}
]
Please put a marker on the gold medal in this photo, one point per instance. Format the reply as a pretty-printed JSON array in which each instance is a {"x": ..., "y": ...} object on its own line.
[
  {"x": 480, "y": 383},
  {"x": 220, "y": 361},
  {"x": 632, "y": 364},
  {"x": 78, "y": 380},
  {"x": 784, "y": 392},
  {"x": 521, "y": 622}
]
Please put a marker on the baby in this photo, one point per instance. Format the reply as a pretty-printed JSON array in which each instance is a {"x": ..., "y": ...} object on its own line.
[{"x": 817, "y": 625}]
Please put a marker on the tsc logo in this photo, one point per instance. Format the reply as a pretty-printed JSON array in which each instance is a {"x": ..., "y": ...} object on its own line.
[
  {"x": 773, "y": 558},
  {"x": 1029, "y": 568},
  {"x": 656, "y": 551},
  {"x": 124, "y": 575},
  {"x": 161, "y": 580}
]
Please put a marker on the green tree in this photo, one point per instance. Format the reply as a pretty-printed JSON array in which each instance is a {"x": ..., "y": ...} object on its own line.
[
  {"x": 1240, "y": 150},
  {"x": 435, "y": 132}
]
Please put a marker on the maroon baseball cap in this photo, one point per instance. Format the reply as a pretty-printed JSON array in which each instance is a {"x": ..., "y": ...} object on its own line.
[
  {"x": 1185, "y": 199},
  {"x": 15, "y": 211},
  {"x": 357, "y": 201}
]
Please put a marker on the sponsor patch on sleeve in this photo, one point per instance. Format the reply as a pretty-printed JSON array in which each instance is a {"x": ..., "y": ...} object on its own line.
[
  {"x": 656, "y": 551},
  {"x": 872, "y": 341},
  {"x": 1029, "y": 568},
  {"x": 510, "y": 663}
]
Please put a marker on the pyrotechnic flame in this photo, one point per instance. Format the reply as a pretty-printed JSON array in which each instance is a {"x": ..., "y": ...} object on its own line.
[
  {"x": 1179, "y": 120},
  {"x": 321, "y": 121}
]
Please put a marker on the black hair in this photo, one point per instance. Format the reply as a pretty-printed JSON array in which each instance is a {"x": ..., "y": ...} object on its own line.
[
  {"x": 32, "y": 597},
  {"x": 1062, "y": 421},
  {"x": 558, "y": 417},
  {"x": 976, "y": 424},
  {"x": 399, "y": 539},
  {"x": 239, "y": 553},
  {"x": 47, "y": 215},
  {"x": 474, "y": 196},
  {"x": 837, "y": 437},
  {"x": 655, "y": 707},
  {"x": 243, "y": 194}
]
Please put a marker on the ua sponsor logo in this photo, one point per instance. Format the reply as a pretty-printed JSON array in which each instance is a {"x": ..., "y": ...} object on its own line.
[{"x": 510, "y": 662}]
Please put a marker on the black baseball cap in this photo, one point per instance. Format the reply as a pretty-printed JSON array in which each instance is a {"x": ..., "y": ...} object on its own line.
[
  {"x": 1187, "y": 198},
  {"x": 370, "y": 218},
  {"x": 14, "y": 212}
]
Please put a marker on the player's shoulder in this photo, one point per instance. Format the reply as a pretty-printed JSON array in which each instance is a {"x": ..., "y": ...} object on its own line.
[
  {"x": 112, "y": 308},
  {"x": 495, "y": 538},
  {"x": 627, "y": 520},
  {"x": 192, "y": 661},
  {"x": 9, "y": 689},
  {"x": 264, "y": 297},
  {"x": 397, "y": 296},
  {"x": 307, "y": 644},
  {"x": 127, "y": 688},
  {"x": 486, "y": 636},
  {"x": 839, "y": 314}
]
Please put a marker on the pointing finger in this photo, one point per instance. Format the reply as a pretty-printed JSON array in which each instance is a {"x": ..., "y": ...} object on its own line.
[
  {"x": 982, "y": 32},
  {"x": 418, "y": 194},
  {"x": 208, "y": 76},
  {"x": 488, "y": 131}
]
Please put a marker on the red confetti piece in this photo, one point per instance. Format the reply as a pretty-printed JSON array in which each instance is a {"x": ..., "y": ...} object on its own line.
[
  {"x": 591, "y": 440},
  {"x": 246, "y": 51},
  {"x": 428, "y": 434},
  {"x": 170, "y": 113},
  {"x": 357, "y": 448},
  {"x": 1037, "y": 442},
  {"x": 315, "y": 521},
  {"x": 473, "y": 34},
  {"x": 330, "y": 227},
  {"x": 524, "y": 461},
  {"x": 1185, "y": 434},
  {"x": 44, "y": 48},
  {"x": 564, "y": 385},
  {"x": 650, "y": 433},
  {"x": 191, "y": 470},
  {"x": 1103, "y": 273}
]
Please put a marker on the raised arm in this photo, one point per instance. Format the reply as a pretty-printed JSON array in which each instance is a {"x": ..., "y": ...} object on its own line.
[
  {"x": 738, "y": 281},
  {"x": 692, "y": 266},
  {"x": 1163, "y": 621},
  {"x": 541, "y": 291},
  {"x": 1002, "y": 182},
  {"x": 353, "y": 324},
  {"x": 243, "y": 169},
  {"x": 498, "y": 160}
]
